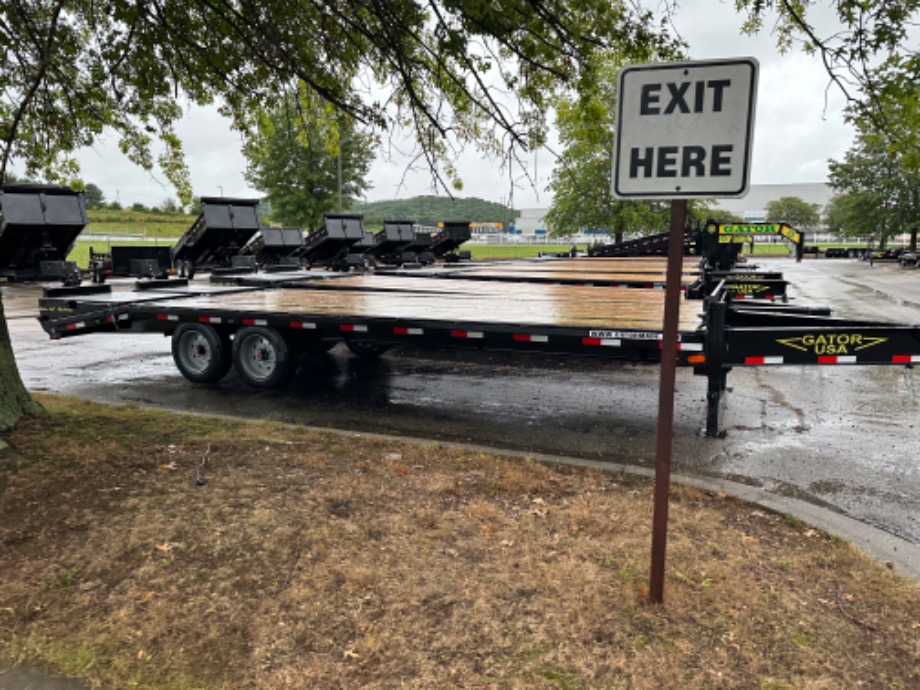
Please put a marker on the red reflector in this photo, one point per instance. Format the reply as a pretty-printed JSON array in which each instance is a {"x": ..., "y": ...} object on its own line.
[{"x": 590, "y": 341}]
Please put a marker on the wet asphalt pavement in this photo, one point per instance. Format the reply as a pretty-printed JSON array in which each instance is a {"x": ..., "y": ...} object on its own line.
[{"x": 844, "y": 437}]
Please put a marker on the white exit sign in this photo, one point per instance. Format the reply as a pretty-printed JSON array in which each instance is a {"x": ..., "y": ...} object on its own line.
[{"x": 685, "y": 129}]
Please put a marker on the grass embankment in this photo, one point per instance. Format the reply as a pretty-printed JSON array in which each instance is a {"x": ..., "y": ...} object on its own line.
[{"x": 150, "y": 550}]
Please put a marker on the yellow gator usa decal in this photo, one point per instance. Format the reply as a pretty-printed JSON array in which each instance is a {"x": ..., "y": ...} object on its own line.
[
  {"x": 758, "y": 229},
  {"x": 832, "y": 343}
]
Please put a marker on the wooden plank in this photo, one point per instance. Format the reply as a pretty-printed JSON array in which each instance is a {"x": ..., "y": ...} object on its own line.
[{"x": 474, "y": 302}]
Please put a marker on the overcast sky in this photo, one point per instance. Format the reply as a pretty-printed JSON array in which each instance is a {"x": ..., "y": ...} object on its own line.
[{"x": 799, "y": 126}]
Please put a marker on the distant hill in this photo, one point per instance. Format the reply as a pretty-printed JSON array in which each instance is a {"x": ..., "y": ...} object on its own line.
[{"x": 431, "y": 210}]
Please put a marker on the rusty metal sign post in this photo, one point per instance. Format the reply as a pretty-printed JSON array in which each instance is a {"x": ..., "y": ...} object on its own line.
[
  {"x": 666, "y": 387},
  {"x": 684, "y": 130}
]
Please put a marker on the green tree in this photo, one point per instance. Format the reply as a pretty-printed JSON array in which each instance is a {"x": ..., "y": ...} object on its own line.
[
  {"x": 581, "y": 179},
  {"x": 795, "y": 211},
  {"x": 851, "y": 215},
  {"x": 70, "y": 70},
  {"x": 871, "y": 54},
  {"x": 882, "y": 183},
  {"x": 93, "y": 196},
  {"x": 303, "y": 155}
]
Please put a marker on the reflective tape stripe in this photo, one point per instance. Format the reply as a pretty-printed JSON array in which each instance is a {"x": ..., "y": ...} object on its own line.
[
  {"x": 836, "y": 359},
  {"x": 601, "y": 342},
  {"x": 905, "y": 359},
  {"x": 763, "y": 360},
  {"x": 528, "y": 338},
  {"x": 467, "y": 334},
  {"x": 167, "y": 317},
  {"x": 255, "y": 322},
  {"x": 303, "y": 325},
  {"x": 403, "y": 330},
  {"x": 210, "y": 319},
  {"x": 353, "y": 328}
]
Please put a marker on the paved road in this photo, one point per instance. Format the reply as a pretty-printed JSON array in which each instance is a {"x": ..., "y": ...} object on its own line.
[{"x": 842, "y": 437}]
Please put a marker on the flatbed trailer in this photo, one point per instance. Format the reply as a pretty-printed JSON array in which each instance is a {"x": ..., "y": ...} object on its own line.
[{"x": 260, "y": 323}]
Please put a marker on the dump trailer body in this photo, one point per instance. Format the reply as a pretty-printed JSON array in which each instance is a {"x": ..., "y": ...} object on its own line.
[
  {"x": 39, "y": 225},
  {"x": 327, "y": 244},
  {"x": 220, "y": 231},
  {"x": 450, "y": 238},
  {"x": 271, "y": 246}
]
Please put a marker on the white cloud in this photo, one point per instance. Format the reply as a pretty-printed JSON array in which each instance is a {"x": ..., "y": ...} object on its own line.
[{"x": 799, "y": 126}]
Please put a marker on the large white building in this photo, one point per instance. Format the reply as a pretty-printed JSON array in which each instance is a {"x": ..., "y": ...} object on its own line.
[{"x": 751, "y": 207}]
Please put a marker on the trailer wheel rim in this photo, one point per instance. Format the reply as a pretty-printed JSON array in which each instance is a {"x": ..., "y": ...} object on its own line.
[
  {"x": 257, "y": 357},
  {"x": 195, "y": 351}
]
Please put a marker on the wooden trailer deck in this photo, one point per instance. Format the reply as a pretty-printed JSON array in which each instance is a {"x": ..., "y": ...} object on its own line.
[{"x": 462, "y": 301}]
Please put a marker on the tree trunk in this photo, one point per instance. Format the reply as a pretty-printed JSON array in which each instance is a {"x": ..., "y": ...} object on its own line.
[{"x": 14, "y": 398}]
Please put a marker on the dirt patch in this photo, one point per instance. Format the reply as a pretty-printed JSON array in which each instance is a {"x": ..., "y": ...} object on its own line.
[{"x": 144, "y": 549}]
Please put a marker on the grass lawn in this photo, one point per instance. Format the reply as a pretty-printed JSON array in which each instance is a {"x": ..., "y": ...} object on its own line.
[{"x": 152, "y": 550}]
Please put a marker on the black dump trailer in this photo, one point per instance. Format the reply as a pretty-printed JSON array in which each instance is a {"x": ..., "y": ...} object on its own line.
[
  {"x": 221, "y": 230},
  {"x": 39, "y": 225},
  {"x": 328, "y": 245},
  {"x": 418, "y": 251},
  {"x": 141, "y": 262},
  {"x": 446, "y": 242},
  {"x": 391, "y": 241},
  {"x": 275, "y": 247}
]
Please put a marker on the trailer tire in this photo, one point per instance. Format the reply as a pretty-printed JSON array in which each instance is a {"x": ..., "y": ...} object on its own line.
[
  {"x": 201, "y": 353},
  {"x": 262, "y": 357},
  {"x": 366, "y": 349}
]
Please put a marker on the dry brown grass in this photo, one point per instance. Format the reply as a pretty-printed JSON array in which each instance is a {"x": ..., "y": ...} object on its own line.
[{"x": 311, "y": 560}]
